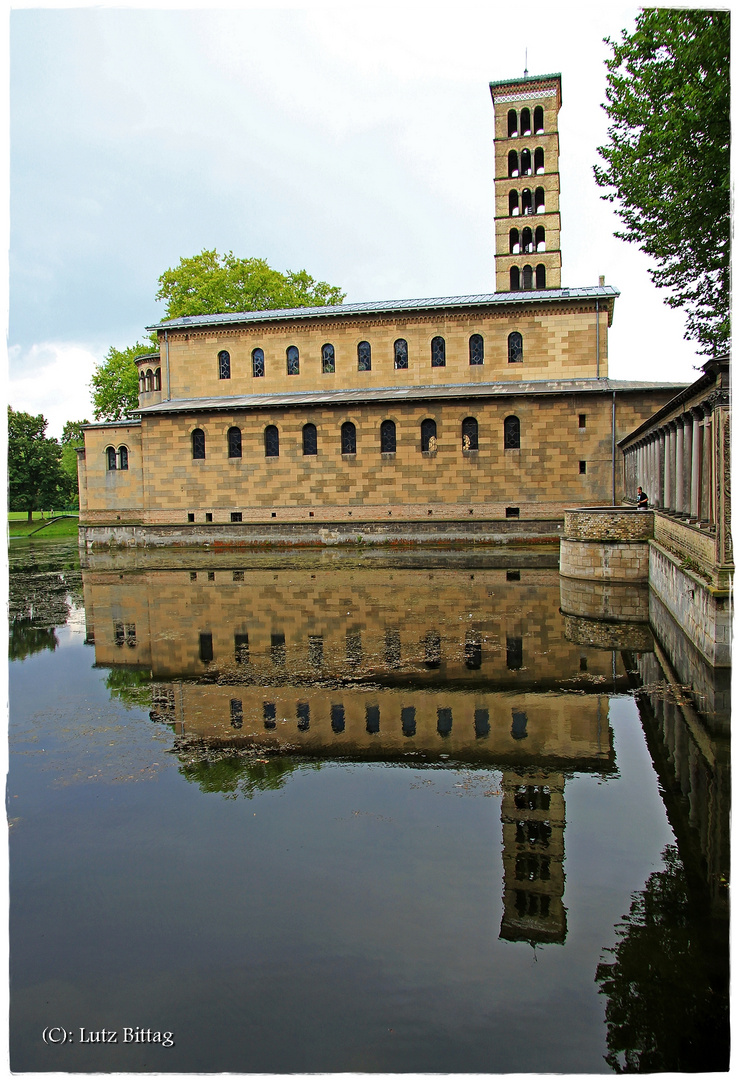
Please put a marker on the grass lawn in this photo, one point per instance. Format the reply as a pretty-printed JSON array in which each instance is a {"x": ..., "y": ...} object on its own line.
[{"x": 19, "y": 525}]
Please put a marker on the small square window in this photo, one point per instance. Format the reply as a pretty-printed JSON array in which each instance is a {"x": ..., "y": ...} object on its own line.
[
  {"x": 581, "y": 420},
  {"x": 193, "y": 575},
  {"x": 274, "y": 514},
  {"x": 513, "y": 575},
  {"x": 512, "y": 512},
  {"x": 235, "y": 515},
  {"x": 582, "y": 467},
  {"x": 208, "y": 517},
  {"x": 190, "y": 517},
  {"x": 238, "y": 575},
  {"x": 211, "y": 575}
]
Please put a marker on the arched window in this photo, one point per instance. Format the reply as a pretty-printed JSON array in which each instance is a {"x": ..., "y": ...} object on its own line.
[
  {"x": 512, "y": 123},
  {"x": 477, "y": 350},
  {"x": 293, "y": 360},
  {"x": 257, "y": 363},
  {"x": 525, "y": 163},
  {"x": 539, "y": 200},
  {"x": 538, "y": 120},
  {"x": 428, "y": 433},
  {"x": 514, "y": 242},
  {"x": 540, "y": 238},
  {"x": 149, "y": 380},
  {"x": 539, "y": 160},
  {"x": 515, "y": 348},
  {"x": 310, "y": 440},
  {"x": 527, "y": 241},
  {"x": 224, "y": 365},
  {"x": 364, "y": 356},
  {"x": 528, "y": 277},
  {"x": 328, "y": 359},
  {"x": 513, "y": 204},
  {"x": 348, "y": 438},
  {"x": 198, "y": 443},
  {"x": 401, "y": 354},
  {"x": 541, "y": 276},
  {"x": 469, "y": 433},
  {"x": 438, "y": 352},
  {"x": 512, "y": 163},
  {"x": 122, "y": 457},
  {"x": 511, "y": 433},
  {"x": 525, "y": 121},
  {"x": 515, "y": 279},
  {"x": 387, "y": 437},
  {"x": 111, "y": 456},
  {"x": 526, "y": 207},
  {"x": 158, "y": 379},
  {"x": 234, "y": 442},
  {"x": 142, "y": 382},
  {"x": 271, "y": 441}
]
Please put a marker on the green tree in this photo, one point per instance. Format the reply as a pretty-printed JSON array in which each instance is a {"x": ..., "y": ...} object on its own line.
[
  {"x": 667, "y": 161},
  {"x": 35, "y": 476},
  {"x": 72, "y": 437},
  {"x": 209, "y": 284},
  {"x": 115, "y": 383}
]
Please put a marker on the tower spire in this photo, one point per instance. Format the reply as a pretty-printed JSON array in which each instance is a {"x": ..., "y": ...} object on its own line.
[{"x": 526, "y": 64}]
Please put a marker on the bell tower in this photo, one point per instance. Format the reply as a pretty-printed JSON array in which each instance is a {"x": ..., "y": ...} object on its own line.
[{"x": 527, "y": 221}]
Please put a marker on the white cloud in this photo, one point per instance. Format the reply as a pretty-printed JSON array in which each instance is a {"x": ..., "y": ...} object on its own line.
[{"x": 57, "y": 383}]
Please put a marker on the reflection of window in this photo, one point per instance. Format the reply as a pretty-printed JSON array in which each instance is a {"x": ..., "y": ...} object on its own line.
[
  {"x": 353, "y": 647},
  {"x": 119, "y": 633},
  {"x": 337, "y": 718},
  {"x": 236, "y": 516},
  {"x": 518, "y": 727},
  {"x": 408, "y": 720},
  {"x": 473, "y": 654},
  {"x": 315, "y": 650},
  {"x": 131, "y": 635},
  {"x": 206, "y": 648},
  {"x": 310, "y": 440},
  {"x": 432, "y": 645},
  {"x": 237, "y": 713},
  {"x": 514, "y": 653},
  {"x": 444, "y": 722},
  {"x": 372, "y": 716},
  {"x": 303, "y": 714},
  {"x": 482, "y": 723},
  {"x": 224, "y": 365},
  {"x": 277, "y": 648},
  {"x": 270, "y": 714},
  {"x": 392, "y": 648},
  {"x": 387, "y": 437},
  {"x": 241, "y": 647}
]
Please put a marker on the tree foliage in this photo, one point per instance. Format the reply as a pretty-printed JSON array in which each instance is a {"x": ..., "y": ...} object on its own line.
[
  {"x": 72, "y": 437},
  {"x": 36, "y": 480},
  {"x": 115, "y": 383},
  {"x": 667, "y": 161},
  {"x": 209, "y": 284}
]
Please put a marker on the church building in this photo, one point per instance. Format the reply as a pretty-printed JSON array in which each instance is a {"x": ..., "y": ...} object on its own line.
[{"x": 435, "y": 420}]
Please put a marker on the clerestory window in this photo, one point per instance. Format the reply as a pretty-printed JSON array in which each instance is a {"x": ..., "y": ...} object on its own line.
[{"x": 224, "y": 365}]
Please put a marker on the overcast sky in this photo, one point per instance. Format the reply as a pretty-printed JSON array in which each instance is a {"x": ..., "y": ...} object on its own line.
[{"x": 353, "y": 141}]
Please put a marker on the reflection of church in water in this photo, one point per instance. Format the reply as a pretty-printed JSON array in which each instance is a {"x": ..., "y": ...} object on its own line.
[{"x": 423, "y": 666}]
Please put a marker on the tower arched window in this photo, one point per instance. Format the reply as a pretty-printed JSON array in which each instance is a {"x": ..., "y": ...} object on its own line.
[
  {"x": 271, "y": 441},
  {"x": 428, "y": 432},
  {"x": 438, "y": 352},
  {"x": 293, "y": 360},
  {"x": 348, "y": 438},
  {"x": 477, "y": 350},
  {"x": 112, "y": 459},
  {"x": 224, "y": 365},
  {"x": 513, "y": 210},
  {"x": 257, "y": 363},
  {"x": 539, "y": 200},
  {"x": 539, "y": 160},
  {"x": 541, "y": 276},
  {"x": 364, "y": 356},
  {"x": 538, "y": 120},
  {"x": 149, "y": 380},
  {"x": 158, "y": 379},
  {"x": 514, "y": 242},
  {"x": 515, "y": 275},
  {"x": 528, "y": 277},
  {"x": 142, "y": 382},
  {"x": 515, "y": 348},
  {"x": 328, "y": 359},
  {"x": 541, "y": 244},
  {"x": 401, "y": 354},
  {"x": 198, "y": 443},
  {"x": 511, "y": 433},
  {"x": 234, "y": 442},
  {"x": 525, "y": 121},
  {"x": 527, "y": 241},
  {"x": 526, "y": 203},
  {"x": 310, "y": 440},
  {"x": 469, "y": 433},
  {"x": 525, "y": 163},
  {"x": 122, "y": 457},
  {"x": 512, "y": 123},
  {"x": 512, "y": 163},
  {"x": 387, "y": 437}
]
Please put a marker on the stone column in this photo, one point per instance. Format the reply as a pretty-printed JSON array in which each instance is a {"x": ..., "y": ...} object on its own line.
[
  {"x": 653, "y": 483},
  {"x": 687, "y": 463},
  {"x": 679, "y": 471},
  {"x": 670, "y": 468},
  {"x": 706, "y": 471},
  {"x": 695, "y": 471},
  {"x": 661, "y": 458}
]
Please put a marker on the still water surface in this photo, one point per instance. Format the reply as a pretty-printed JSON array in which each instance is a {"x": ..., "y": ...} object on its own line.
[{"x": 322, "y": 812}]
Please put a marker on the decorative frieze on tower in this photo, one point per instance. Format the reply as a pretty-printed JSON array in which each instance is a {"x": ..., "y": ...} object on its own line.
[{"x": 527, "y": 221}]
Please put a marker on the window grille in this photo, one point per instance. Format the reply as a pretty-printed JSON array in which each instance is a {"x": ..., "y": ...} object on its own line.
[
  {"x": 122, "y": 457},
  {"x": 112, "y": 459},
  {"x": 364, "y": 356},
  {"x": 224, "y": 365},
  {"x": 198, "y": 443},
  {"x": 387, "y": 437},
  {"x": 271, "y": 441},
  {"x": 401, "y": 354},
  {"x": 348, "y": 438},
  {"x": 310, "y": 440},
  {"x": 511, "y": 433},
  {"x": 257, "y": 363},
  {"x": 438, "y": 352},
  {"x": 234, "y": 442},
  {"x": 515, "y": 348},
  {"x": 428, "y": 432},
  {"x": 293, "y": 360},
  {"x": 328, "y": 359},
  {"x": 469, "y": 433},
  {"x": 477, "y": 350}
]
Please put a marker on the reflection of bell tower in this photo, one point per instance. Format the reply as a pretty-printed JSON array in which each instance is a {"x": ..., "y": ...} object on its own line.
[
  {"x": 527, "y": 221},
  {"x": 533, "y": 816}
]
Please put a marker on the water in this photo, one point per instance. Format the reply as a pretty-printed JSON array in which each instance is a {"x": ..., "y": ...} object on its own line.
[{"x": 325, "y": 812}]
